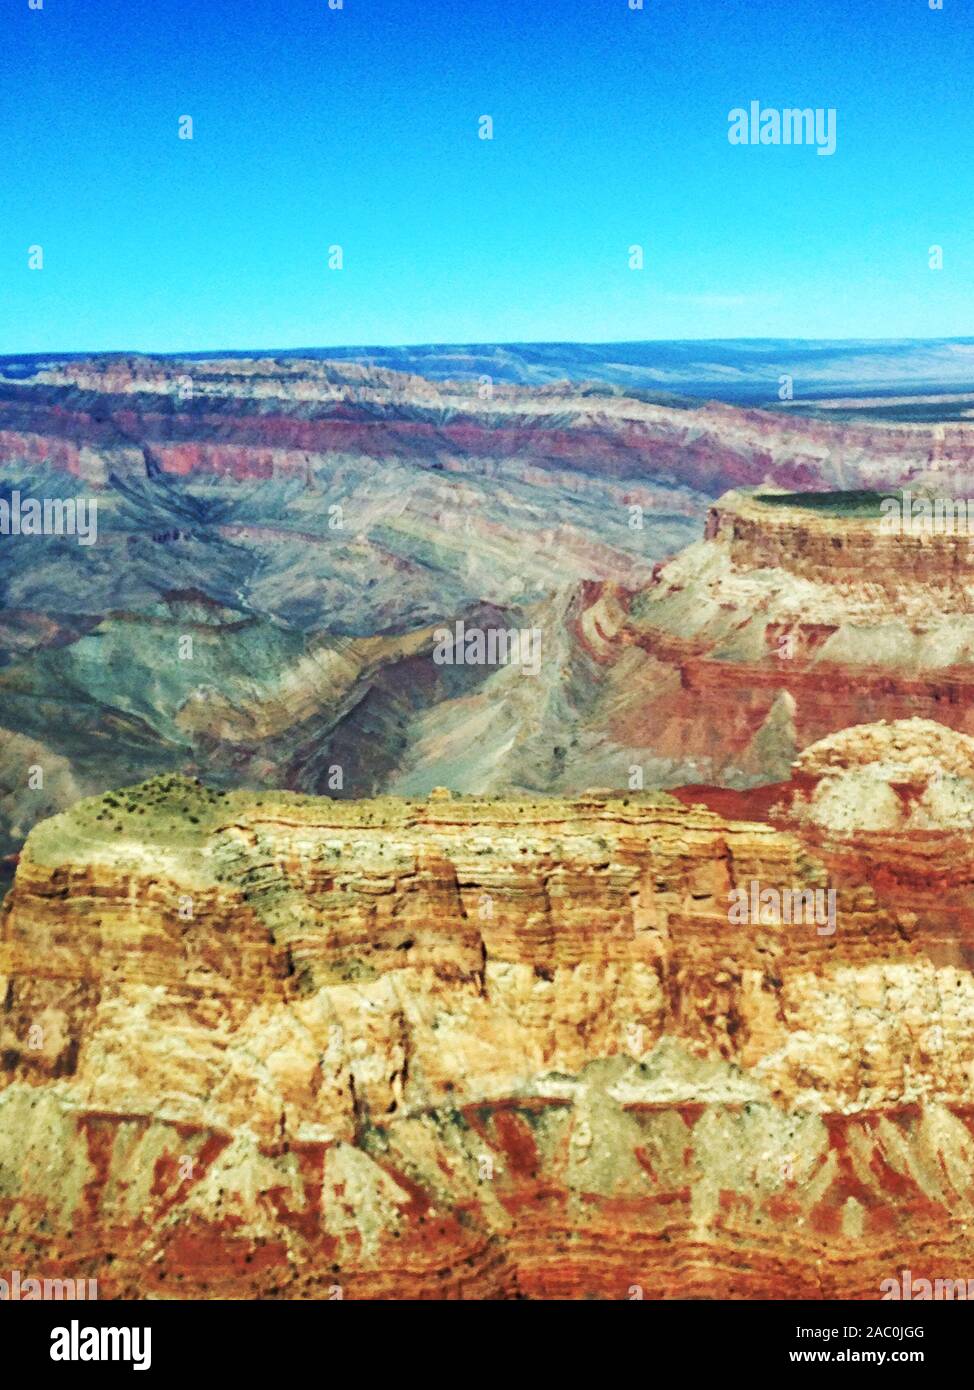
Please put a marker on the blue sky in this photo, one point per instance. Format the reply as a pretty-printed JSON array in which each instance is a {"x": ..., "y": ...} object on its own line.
[{"x": 359, "y": 127}]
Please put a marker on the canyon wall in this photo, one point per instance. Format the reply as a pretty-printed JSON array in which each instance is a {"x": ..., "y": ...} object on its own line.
[
  {"x": 266, "y": 1044},
  {"x": 253, "y": 418},
  {"x": 278, "y": 541},
  {"x": 789, "y": 621}
]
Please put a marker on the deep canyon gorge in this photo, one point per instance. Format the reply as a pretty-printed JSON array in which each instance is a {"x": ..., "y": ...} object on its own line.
[{"x": 325, "y": 966}]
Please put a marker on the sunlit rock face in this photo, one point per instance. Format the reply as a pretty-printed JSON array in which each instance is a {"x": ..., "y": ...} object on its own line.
[
  {"x": 792, "y": 619},
  {"x": 264, "y": 1044},
  {"x": 279, "y": 541}
]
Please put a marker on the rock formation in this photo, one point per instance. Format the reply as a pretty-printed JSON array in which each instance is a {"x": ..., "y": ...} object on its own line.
[
  {"x": 795, "y": 617},
  {"x": 281, "y": 1046},
  {"x": 279, "y": 541},
  {"x": 419, "y": 1013}
]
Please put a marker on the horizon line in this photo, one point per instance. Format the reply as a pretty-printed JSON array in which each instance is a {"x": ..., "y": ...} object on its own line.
[{"x": 444, "y": 344}]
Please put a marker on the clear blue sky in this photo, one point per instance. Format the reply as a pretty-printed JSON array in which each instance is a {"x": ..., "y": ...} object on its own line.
[{"x": 359, "y": 127}]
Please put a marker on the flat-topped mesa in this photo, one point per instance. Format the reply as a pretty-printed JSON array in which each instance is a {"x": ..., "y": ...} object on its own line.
[
  {"x": 891, "y": 539},
  {"x": 500, "y": 511},
  {"x": 789, "y": 621},
  {"x": 543, "y": 927}
]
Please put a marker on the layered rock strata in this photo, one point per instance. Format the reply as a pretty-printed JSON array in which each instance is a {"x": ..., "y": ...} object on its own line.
[
  {"x": 791, "y": 620},
  {"x": 277, "y": 540},
  {"x": 271, "y": 1045},
  {"x": 250, "y": 418}
]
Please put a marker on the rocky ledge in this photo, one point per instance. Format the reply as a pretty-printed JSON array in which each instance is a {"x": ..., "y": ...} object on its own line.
[{"x": 270, "y": 1045}]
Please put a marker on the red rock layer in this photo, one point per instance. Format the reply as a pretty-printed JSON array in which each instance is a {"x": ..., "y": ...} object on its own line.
[
  {"x": 783, "y": 626},
  {"x": 476, "y": 1049},
  {"x": 250, "y": 420}
]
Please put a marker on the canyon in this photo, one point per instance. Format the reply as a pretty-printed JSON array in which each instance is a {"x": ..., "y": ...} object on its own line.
[
  {"x": 333, "y": 969},
  {"x": 278, "y": 540}
]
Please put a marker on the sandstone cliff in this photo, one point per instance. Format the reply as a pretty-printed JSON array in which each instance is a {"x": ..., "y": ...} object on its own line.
[
  {"x": 792, "y": 619},
  {"x": 266, "y": 1044}
]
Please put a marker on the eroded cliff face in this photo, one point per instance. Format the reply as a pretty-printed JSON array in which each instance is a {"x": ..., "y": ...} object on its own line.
[
  {"x": 251, "y": 417},
  {"x": 785, "y": 624},
  {"x": 266, "y": 1044}
]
